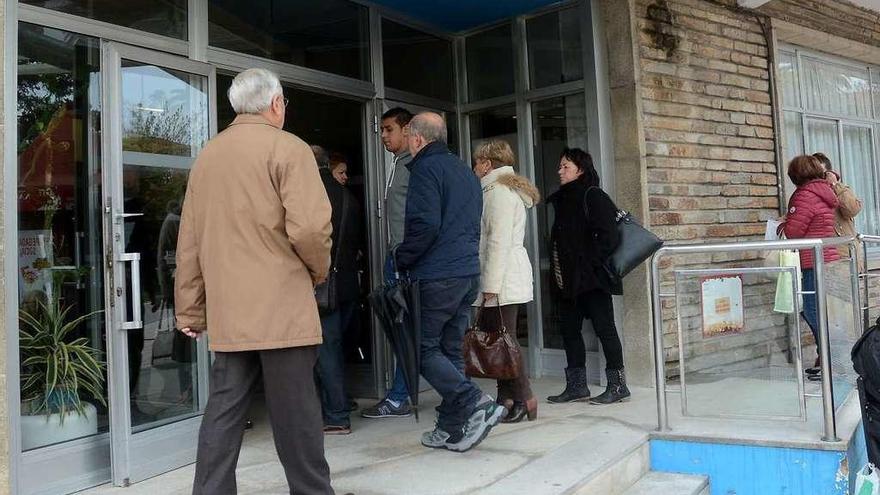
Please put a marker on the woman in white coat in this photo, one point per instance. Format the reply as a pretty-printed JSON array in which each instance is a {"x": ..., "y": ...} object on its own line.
[{"x": 505, "y": 269}]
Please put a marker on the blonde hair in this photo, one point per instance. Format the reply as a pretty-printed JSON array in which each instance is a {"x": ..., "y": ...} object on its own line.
[{"x": 498, "y": 153}]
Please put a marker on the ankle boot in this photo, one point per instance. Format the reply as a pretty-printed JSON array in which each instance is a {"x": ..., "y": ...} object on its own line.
[
  {"x": 575, "y": 387},
  {"x": 522, "y": 409},
  {"x": 616, "y": 390}
]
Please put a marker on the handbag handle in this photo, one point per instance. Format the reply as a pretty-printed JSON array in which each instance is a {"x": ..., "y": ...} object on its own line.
[{"x": 480, "y": 311}]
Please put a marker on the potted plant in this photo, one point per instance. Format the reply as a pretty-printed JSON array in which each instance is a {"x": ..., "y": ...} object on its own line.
[{"x": 57, "y": 373}]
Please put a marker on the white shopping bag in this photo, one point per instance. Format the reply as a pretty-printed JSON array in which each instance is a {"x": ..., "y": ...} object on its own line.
[
  {"x": 771, "y": 232},
  {"x": 867, "y": 481}
]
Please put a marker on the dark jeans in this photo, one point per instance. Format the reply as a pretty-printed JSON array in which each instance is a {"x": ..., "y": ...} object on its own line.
[
  {"x": 331, "y": 365},
  {"x": 518, "y": 389},
  {"x": 808, "y": 284},
  {"x": 446, "y": 306},
  {"x": 294, "y": 412},
  {"x": 595, "y": 305}
]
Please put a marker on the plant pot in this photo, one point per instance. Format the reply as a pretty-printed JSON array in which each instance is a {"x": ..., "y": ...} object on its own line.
[{"x": 40, "y": 430}]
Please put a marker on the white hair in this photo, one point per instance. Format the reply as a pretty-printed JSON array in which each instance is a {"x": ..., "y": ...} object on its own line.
[
  {"x": 252, "y": 91},
  {"x": 431, "y": 126}
]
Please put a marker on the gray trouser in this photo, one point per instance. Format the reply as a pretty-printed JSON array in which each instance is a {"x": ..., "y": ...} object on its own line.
[{"x": 294, "y": 412}]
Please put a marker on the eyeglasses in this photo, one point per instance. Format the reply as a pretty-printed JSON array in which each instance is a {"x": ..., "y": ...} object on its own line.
[{"x": 286, "y": 101}]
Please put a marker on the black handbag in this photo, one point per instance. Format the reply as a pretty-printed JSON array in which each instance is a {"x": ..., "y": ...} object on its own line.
[
  {"x": 327, "y": 292},
  {"x": 635, "y": 244},
  {"x": 163, "y": 344}
]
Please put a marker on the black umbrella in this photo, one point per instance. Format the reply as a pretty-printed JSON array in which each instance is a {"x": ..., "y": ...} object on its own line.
[{"x": 398, "y": 309}]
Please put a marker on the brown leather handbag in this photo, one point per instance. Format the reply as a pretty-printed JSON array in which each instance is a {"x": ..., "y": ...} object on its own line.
[{"x": 491, "y": 352}]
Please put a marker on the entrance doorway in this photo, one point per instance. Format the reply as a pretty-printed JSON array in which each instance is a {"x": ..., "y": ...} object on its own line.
[
  {"x": 110, "y": 391},
  {"x": 156, "y": 109}
]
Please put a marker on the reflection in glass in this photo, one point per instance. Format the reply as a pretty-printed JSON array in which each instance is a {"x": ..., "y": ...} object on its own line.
[
  {"x": 168, "y": 17},
  {"x": 164, "y": 122},
  {"x": 60, "y": 258},
  {"x": 404, "y": 48},
  {"x": 330, "y": 35},
  {"x": 558, "y": 123},
  {"x": 489, "y": 56},
  {"x": 554, "y": 44}
]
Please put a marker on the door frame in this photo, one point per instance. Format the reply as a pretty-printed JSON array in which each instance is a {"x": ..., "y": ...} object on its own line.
[{"x": 136, "y": 456}]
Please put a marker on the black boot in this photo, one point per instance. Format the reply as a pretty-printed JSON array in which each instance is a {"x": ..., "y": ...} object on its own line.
[
  {"x": 575, "y": 387},
  {"x": 616, "y": 390}
]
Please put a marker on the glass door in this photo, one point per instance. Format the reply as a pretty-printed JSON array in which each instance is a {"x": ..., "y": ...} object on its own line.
[{"x": 156, "y": 120}]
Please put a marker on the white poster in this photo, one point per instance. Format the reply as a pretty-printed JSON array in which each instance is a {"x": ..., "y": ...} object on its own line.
[
  {"x": 722, "y": 305},
  {"x": 34, "y": 262}
]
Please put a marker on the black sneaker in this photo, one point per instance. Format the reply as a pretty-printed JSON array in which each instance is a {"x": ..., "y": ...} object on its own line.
[{"x": 385, "y": 409}]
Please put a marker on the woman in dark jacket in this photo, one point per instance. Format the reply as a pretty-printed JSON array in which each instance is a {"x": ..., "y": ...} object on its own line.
[
  {"x": 347, "y": 224},
  {"x": 584, "y": 236}
]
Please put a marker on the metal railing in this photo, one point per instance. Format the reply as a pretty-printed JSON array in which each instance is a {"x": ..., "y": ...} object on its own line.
[
  {"x": 865, "y": 275},
  {"x": 817, "y": 246}
]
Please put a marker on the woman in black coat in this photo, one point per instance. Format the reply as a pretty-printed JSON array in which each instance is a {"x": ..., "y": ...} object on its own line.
[{"x": 584, "y": 236}]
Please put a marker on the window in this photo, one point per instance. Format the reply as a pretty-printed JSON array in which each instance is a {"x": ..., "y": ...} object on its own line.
[
  {"x": 330, "y": 36},
  {"x": 168, "y": 18},
  {"x": 831, "y": 107},
  {"x": 495, "y": 123},
  {"x": 489, "y": 57},
  {"x": 554, "y": 44},
  {"x": 417, "y": 62},
  {"x": 60, "y": 255}
]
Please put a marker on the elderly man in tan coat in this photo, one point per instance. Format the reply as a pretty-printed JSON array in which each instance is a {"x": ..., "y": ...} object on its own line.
[{"x": 254, "y": 240}]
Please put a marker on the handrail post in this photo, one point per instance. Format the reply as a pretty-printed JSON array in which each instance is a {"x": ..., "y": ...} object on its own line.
[
  {"x": 824, "y": 346},
  {"x": 866, "y": 316},
  {"x": 853, "y": 249},
  {"x": 659, "y": 358}
]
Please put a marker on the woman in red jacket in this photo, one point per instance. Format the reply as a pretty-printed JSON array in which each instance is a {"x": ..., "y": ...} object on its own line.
[{"x": 811, "y": 214}]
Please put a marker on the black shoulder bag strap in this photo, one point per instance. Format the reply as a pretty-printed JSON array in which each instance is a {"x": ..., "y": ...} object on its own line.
[{"x": 339, "y": 238}]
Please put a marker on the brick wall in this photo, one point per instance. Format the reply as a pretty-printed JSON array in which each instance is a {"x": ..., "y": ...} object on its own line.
[{"x": 710, "y": 157}]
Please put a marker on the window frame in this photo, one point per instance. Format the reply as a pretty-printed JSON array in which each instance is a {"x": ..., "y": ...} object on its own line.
[{"x": 798, "y": 54}]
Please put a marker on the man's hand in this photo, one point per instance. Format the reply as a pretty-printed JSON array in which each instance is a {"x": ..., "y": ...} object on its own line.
[{"x": 193, "y": 334}]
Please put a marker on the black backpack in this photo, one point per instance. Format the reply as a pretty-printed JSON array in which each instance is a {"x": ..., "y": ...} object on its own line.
[{"x": 866, "y": 360}]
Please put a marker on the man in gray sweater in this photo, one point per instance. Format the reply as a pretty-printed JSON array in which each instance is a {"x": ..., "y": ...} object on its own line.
[{"x": 394, "y": 122}]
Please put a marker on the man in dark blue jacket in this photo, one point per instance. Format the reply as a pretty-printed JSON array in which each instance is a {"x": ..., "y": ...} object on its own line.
[{"x": 440, "y": 249}]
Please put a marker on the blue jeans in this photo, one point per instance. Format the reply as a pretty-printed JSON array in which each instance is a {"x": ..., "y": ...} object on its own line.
[
  {"x": 331, "y": 365},
  {"x": 446, "y": 307},
  {"x": 810, "y": 312}
]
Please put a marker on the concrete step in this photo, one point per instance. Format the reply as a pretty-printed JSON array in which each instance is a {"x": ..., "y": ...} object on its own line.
[
  {"x": 655, "y": 483},
  {"x": 602, "y": 457}
]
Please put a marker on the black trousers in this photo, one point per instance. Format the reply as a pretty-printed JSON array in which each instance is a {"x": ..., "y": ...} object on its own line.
[
  {"x": 294, "y": 411},
  {"x": 595, "y": 305}
]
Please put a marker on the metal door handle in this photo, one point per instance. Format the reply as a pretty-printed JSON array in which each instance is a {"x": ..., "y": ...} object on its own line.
[
  {"x": 136, "y": 322},
  {"x": 120, "y": 217}
]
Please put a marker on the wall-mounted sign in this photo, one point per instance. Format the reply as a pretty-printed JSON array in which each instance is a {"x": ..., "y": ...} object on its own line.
[{"x": 722, "y": 305}]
